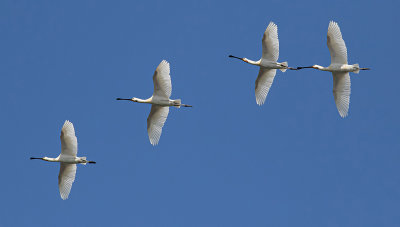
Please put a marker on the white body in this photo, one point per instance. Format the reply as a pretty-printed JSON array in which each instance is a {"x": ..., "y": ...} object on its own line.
[
  {"x": 160, "y": 101},
  {"x": 67, "y": 159},
  {"x": 340, "y": 69},
  {"x": 268, "y": 63}
]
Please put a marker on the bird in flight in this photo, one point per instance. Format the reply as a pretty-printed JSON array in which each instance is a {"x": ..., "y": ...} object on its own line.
[
  {"x": 339, "y": 68},
  {"x": 268, "y": 63},
  {"x": 160, "y": 102},
  {"x": 67, "y": 159}
]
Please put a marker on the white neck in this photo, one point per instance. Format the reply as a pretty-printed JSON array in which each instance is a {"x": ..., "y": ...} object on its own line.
[
  {"x": 252, "y": 62},
  {"x": 50, "y": 159},
  {"x": 143, "y": 100},
  {"x": 320, "y": 67}
]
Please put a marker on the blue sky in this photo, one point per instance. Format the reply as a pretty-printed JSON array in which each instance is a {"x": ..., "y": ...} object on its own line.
[{"x": 224, "y": 162}]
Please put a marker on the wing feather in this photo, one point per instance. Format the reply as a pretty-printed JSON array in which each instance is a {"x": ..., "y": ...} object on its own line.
[
  {"x": 155, "y": 122},
  {"x": 69, "y": 142},
  {"x": 270, "y": 43},
  {"x": 65, "y": 179},
  {"x": 263, "y": 84},
  {"x": 162, "y": 80},
  {"x": 336, "y": 44},
  {"x": 341, "y": 92}
]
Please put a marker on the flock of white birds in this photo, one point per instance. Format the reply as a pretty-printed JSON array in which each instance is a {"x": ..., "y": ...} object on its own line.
[
  {"x": 160, "y": 100},
  {"x": 340, "y": 69}
]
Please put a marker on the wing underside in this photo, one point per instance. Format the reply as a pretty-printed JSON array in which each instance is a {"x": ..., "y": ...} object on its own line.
[
  {"x": 69, "y": 142},
  {"x": 155, "y": 122},
  {"x": 263, "y": 84},
  {"x": 270, "y": 43},
  {"x": 162, "y": 81},
  {"x": 65, "y": 179},
  {"x": 336, "y": 44},
  {"x": 341, "y": 92}
]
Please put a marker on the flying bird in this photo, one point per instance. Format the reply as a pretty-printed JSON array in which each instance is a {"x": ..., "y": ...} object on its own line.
[
  {"x": 67, "y": 159},
  {"x": 268, "y": 63},
  {"x": 160, "y": 101},
  {"x": 339, "y": 68}
]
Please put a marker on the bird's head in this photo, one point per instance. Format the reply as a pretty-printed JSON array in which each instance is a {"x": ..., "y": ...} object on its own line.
[
  {"x": 134, "y": 99},
  {"x": 317, "y": 67},
  {"x": 245, "y": 60}
]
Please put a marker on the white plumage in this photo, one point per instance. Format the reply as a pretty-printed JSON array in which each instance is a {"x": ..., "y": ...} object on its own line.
[
  {"x": 67, "y": 159},
  {"x": 341, "y": 92},
  {"x": 264, "y": 82},
  {"x": 162, "y": 81},
  {"x": 270, "y": 43},
  {"x": 268, "y": 63},
  {"x": 69, "y": 142},
  {"x": 339, "y": 68},
  {"x": 336, "y": 45},
  {"x": 160, "y": 101},
  {"x": 65, "y": 179},
  {"x": 155, "y": 122}
]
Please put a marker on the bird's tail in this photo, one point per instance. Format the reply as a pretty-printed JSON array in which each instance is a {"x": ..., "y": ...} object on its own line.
[
  {"x": 177, "y": 103},
  {"x": 285, "y": 64},
  {"x": 83, "y": 158},
  {"x": 358, "y": 68}
]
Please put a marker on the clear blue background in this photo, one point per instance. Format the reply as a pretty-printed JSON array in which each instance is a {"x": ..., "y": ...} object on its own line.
[{"x": 224, "y": 162}]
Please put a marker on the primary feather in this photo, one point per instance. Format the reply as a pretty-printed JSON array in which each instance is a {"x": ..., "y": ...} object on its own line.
[
  {"x": 270, "y": 43},
  {"x": 263, "y": 84},
  {"x": 162, "y": 81},
  {"x": 69, "y": 142},
  {"x": 155, "y": 122},
  {"x": 65, "y": 179},
  {"x": 341, "y": 92},
  {"x": 336, "y": 45}
]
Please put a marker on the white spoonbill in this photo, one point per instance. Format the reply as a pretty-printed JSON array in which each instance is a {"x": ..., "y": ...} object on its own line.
[
  {"x": 67, "y": 159},
  {"x": 160, "y": 102},
  {"x": 339, "y": 68},
  {"x": 268, "y": 63}
]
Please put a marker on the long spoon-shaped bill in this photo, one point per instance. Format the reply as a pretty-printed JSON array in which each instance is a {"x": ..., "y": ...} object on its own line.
[
  {"x": 35, "y": 158},
  {"x": 124, "y": 99},
  {"x": 305, "y": 67},
  {"x": 365, "y": 68},
  {"x": 186, "y": 105},
  {"x": 231, "y": 56}
]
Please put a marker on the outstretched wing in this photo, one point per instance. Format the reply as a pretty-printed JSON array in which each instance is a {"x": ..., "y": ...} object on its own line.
[
  {"x": 341, "y": 92},
  {"x": 336, "y": 44},
  {"x": 263, "y": 84},
  {"x": 270, "y": 43},
  {"x": 162, "y": 81},
  {"x": 155, "y": 122},
  {"x": 65, "y": 179},
  {"x": 69, "y": 142}
]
